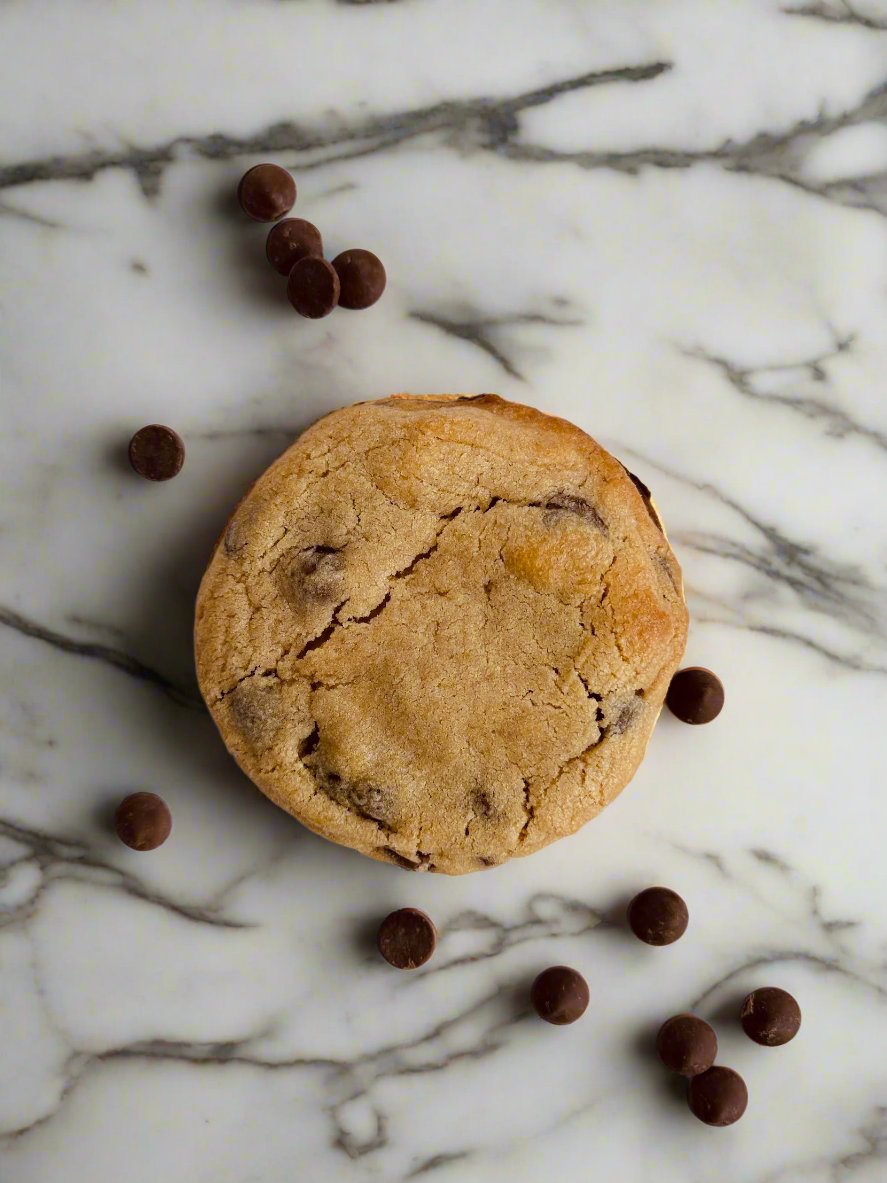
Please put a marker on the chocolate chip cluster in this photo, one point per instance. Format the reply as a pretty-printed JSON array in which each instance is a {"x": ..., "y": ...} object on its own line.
[
  {"x": 686, "y": 1044},
  {"x": 294, "y": 248}
]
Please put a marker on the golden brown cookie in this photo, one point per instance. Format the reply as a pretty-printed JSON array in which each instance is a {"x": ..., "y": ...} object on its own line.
[{"x": 440, "y": 629}]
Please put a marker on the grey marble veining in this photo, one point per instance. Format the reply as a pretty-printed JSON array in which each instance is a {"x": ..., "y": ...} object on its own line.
[{"x": 663, "y": 221}]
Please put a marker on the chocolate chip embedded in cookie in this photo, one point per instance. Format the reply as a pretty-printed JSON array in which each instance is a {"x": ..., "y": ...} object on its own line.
[{"x": 440, "y": 630}]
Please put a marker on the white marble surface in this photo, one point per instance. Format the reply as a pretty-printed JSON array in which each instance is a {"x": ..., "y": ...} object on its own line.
[{"x": 664, "y": 219}]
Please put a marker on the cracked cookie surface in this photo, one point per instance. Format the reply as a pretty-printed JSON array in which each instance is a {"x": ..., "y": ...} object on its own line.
[{"x": 440, "y": 629}]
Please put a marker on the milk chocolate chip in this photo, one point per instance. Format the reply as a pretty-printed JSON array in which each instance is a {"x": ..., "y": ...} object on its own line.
[
  {"x": 266, "y": 192},
  {"x": 291, "y": 240},
  {"x": 143, "y": 821}
]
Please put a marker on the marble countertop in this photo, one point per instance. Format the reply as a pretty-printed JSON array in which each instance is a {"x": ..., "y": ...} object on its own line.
[{"x": 664, "y": 219}]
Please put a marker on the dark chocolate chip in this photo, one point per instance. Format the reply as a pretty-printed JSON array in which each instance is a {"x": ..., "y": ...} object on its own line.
[
  {"x": 143, "y": 821},
  {"x": 560, "y": 995},
  {"x": 407, "y": 938},
  {"x": 646, "y": 495},
  {"x": 314, "y": 575},
  {"x": 321, "y": 560},
  {"x": 266, "y": 192},
  {"x": 399, "y": 860},
  {"x": 687, "y": 1045},
  {"x": 367, "y": 801},
  {"x": 625, "y": 718},
  {"x": 770, "y": 1016},
  {"x": 156, "y": 453},
  {"x": 695, "y": 695},
  {"x": 313, "y": 287},
  {"x": 362, "y": 278},
  {"x": 309, "y": 745},
  {"x": 638, "y": 484},
  {"x": 665, "y": 565},
  {"x": 718, "y": 1097},
  {"x": 291, "y": 240},
  {"x": 253, "y": 707},
  {"x": 482, "y": 803},
  {"x": 235, "y": 535},
  {"x": 658, "y": 916},
  {"x": 570, "y": 503}
]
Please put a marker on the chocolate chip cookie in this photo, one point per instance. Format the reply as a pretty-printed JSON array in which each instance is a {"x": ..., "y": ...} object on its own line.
[{"x": 440, "y": 629}]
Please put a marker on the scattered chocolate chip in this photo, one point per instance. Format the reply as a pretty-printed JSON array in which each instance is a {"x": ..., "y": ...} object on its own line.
[
  {"x": 770, "y": 1016},
  {"x": 407, "y": 938},
  {"x": 362, "y": 278},
  {"x": 156, "y": 453},
  {"x": 687, "y": 1045},
  {"x": 234, "y": 539},
  {"x": 695, "y": 695},
  {"x": 143, "y": 821},
  {"x": 266, "y": 192},
  {"x": 658, "y": 916},
  {"x": 291, "y": 240},
  {"x": 718, "y": 1097},
  {"x": 559, "y": 995},
  {"x": 313, "y": 287}
]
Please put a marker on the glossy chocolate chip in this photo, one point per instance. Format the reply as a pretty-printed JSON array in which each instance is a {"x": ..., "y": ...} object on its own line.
[
  {"x": 658, "y": 916},
  {"x": 687, "y": 1045},
  {"x": 362, "y": 278},
  {"x": 407, "y": 938},
  {"x": 770, "y": 1016},
  {"x": 291, "y": 240},
  {"x": 560, "y": 995},
  {"x": 143, "y": 821},
  {"x": 718, "y": 1097},
  {"x": 695, "y": 695},
  {"x": 313, "y": 287},
  {"x": 156, "y": 453},
  {"x": 266, "y": 192}
]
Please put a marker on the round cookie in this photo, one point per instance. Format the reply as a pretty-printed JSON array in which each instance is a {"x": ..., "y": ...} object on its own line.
[{"x": 440, "y": 629}]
